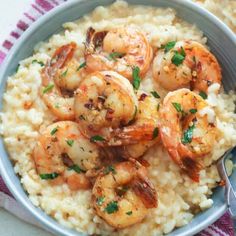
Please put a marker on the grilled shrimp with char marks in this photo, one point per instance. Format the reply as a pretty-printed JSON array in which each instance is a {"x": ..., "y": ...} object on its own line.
[
  {"x": 122, "y": 194},
  {"x": 188, "y": 129}
]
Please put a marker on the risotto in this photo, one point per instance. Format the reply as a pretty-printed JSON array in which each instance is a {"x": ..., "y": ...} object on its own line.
[{"x": 25, "y": 116}]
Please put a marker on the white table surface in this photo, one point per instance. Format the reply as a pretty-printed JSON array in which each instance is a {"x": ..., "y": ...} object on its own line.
[{"x": 11, "y": 12}]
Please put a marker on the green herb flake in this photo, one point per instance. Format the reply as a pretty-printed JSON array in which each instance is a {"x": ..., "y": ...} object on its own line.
[
  {"x": 115, "y": 55},
  {"x": 49, "y": 176},
  {"x": 178, "y": 57},
  {"x": 17, "y": 68},
  {"x": 57, "y": 105},
  {"x": 155, "y": 94},
  {"x": 97, "y": 138},
  {"x": 112, "y": 207},
  {"x": 109, "y": 169},
  {"x": 81, "y": 66},
  {"x": 155, "y": 133},
  {"x": 70, "y": 142},
  {"x": 203, "y": 95},
  {"x": 129, "y": 213},
  {"x": 193, "y": 111},
  {"x": 177, "y": 106},
  {"x": 168, "y": 46},
  {"x": 39, "y": 62},
  {"x": 48, "y": 88},
  {"x": 64, "y": 73},
  {"x": 54, "y": 130},
  {"x": 136, "y": 77},
  {"x": 77, "y": 169},
  {"x": 188, "y": 135},
  {"x": 100, "y": 200},
  {"x": 158, "y": 106}
]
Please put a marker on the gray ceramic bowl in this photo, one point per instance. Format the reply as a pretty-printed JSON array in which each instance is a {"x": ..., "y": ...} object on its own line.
[{"x": 221, "y": 40}]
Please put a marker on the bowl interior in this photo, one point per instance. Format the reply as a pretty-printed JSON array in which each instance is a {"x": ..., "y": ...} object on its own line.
[{"x": 220, "y": 39}]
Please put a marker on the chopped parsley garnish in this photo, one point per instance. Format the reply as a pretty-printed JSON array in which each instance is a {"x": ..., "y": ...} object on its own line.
[
  {"x": 100, "y": 200},
  {"x": 81, "y": 66},
  {"x": 77, "y": 169},
  {"x": 111, "y": 207},
  {"x": 109, "y": 169},
  {"x": 54, "y": 130},
  {"x": 203, "y": 95},
  {"x": 193, "y": 111},
  {"x": 48, "y": 88},
  {"x": 64, "y": 73},
  {"x": 177, "y": 106},
  {"x": 115, "y": 55},
  {"x": 97, "y": 138},
  {"x": 168, "y": 46},
  {"x": 155, "y": 94},
  {"x": 49, "y": 176},
  {"x": 155, "y": 133},
  {"x": 17, "y": 68},
  {"x": 188, "y": 135},
  {"x": 39, "y": 62},
  {"x": 136, "y": 77},
  {"x": 70, "y": 142},
  {"x": 158, "y": 106},
  {"x": 129, "y": 213},
  {"x": 178, "y": 57},
  {"x": 57, "y": 105}
]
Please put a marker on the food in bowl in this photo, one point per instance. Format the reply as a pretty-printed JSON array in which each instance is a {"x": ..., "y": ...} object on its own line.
[{"x": 114, "y": 126}]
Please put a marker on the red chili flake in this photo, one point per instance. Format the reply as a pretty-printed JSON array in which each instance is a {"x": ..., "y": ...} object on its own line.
[
  {"x": 109, "y": 114},
  {"x": 142, "y": 97},
  {"x": 89, "y": 104},
  {"x": 140, "y": 60},
  {"x": 199, "y": 67},
  {"x": 222, "y": 183}
]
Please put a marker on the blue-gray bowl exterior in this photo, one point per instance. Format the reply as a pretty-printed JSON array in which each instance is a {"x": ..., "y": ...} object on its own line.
[{"x": 221, "y": 40}]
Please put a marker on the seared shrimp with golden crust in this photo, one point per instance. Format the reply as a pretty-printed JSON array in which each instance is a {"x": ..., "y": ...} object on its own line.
[
  {"x": 135, "y": 144},
  {"x": 104, "y": 100},
  {"x": 188, "y": 129},
  {"x": 62, "y": 154},
  {"x": 60, "y": 77},
  {"x": 122, "y": 194},
  {"x": 119, "y": 49},
  {"x": 186, "y": 64}
]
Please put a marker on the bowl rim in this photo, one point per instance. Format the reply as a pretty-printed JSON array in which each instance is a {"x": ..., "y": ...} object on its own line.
[{"x": 54, "y": 226}]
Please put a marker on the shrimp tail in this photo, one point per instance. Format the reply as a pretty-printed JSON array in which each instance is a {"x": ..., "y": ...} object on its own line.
[
  {"x": 94, "y": 39},
  {"x": 60, "y": 57},
  {"x": 191, "y": 167},
  {"x": 145, "y": 190},
  {"x": 134, "y": 134}
]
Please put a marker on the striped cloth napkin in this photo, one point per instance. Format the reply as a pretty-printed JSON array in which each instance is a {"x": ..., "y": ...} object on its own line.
[{"x": 222, "y": 227}]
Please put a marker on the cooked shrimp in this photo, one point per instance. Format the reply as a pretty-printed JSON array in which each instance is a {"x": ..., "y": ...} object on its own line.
[
  {"x": 62, "y": 74},
  {"x": 188, "y": 130},
  {"x": 120, "y": 49},
  {"x": 63, "y": 155},
  {"x": 186, "y": 64},
  {"x": 145, "y": 122},
  {"x": 103, "y": 101},
  {"x": 123, "y": 194}
]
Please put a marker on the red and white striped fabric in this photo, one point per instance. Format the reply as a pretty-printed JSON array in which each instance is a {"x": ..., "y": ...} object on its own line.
[{"x": 222, "y": 227}]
